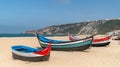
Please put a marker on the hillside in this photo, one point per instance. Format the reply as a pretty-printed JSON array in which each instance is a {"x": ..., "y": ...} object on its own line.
[{"x": 87, "y": 27}]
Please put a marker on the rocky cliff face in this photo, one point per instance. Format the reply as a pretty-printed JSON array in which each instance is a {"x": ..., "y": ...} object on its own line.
[
  {"x": 91, "y": 27},
  {"x": 87, "y": 27}
]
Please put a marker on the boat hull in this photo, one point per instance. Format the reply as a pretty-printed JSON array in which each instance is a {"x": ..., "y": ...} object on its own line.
[
  {"x": 70, "y": 47},
  {"x": 78, "y": 45},
  {"x": 26, "y": 53},
  {"x": 96, "y": 42},
  {"x": 80, "y": 48},
  {"x": 31, "y": 59},
  {"x": 100, "y": 44}
]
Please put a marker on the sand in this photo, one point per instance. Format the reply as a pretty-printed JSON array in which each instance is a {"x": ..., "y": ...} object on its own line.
[{"x": 94, "y": 57}]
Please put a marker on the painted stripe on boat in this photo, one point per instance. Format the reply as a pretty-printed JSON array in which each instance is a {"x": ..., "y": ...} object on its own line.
[
  {"x": 68, "y": 42},
  {"x": 101, "y": 42},
  {"x": 31, "y": 54},
  {"x": 70, "y": 45}
]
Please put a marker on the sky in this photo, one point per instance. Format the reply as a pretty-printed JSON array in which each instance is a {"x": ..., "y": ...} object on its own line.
[{"x": 17, "y": 16}]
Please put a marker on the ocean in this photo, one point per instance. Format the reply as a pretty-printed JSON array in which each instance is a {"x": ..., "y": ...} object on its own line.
[
  {"x": 25, "y": 35},
  {"x": 17, "y": 35}
]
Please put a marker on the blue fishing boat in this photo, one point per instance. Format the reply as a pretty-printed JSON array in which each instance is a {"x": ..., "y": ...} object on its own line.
[
  {"x": 78, "y": 45},
  {"x": 26, "y": 53}
]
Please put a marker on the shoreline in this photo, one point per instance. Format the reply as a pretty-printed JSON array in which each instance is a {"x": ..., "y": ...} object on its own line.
[{"x": 17, "y": 37}]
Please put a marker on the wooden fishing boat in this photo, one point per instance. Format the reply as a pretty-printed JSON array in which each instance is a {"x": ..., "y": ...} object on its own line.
[
  {"x": 101, "y": 41},
  {"x": 96, "y": 42},
  {"x": 77, "y": 45},
  {"x": 26, "y": 53}
]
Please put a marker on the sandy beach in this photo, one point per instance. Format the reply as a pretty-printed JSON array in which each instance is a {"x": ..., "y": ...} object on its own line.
[{"x": 94, "y": 57}]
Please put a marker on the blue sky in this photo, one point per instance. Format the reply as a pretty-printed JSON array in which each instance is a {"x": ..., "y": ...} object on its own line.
[{"x": 16, "y": 16}]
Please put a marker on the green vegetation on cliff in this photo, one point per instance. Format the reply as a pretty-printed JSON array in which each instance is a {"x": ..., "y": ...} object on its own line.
[
  {"x": 89, "y": 27},
  {"x": 108, "y": 26}
]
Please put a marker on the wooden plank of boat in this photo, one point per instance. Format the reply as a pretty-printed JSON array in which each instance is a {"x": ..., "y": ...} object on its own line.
[{"x": 26, "y": 53}]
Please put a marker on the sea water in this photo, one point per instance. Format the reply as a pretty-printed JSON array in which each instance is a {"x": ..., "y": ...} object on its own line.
[
  {"x": 25, "y": 35},
  {"x": 17, "y": 35}
]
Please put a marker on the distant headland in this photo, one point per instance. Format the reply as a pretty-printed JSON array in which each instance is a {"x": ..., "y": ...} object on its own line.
[{"x": 86, "y": 27}]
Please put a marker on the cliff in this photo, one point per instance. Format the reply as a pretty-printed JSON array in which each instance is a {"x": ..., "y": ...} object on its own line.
[{"x": 86, "y": 27}]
